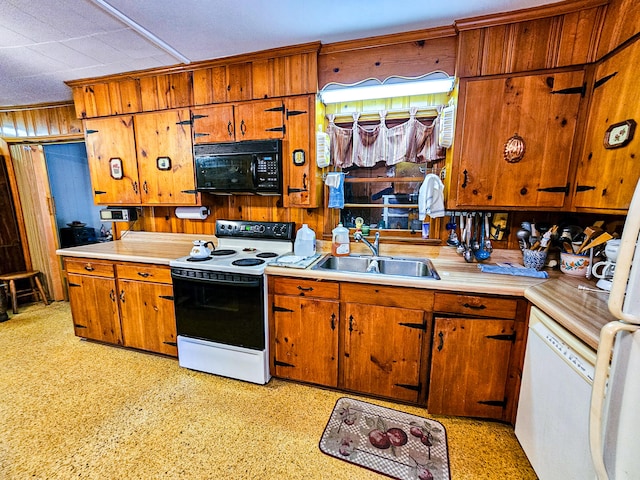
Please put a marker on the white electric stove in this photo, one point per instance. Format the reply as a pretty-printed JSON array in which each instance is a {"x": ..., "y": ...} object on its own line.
[{"x": 221, "y": 301}]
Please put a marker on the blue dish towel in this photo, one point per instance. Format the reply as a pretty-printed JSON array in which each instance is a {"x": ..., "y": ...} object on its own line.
[
  {"x": 520, "y": 272},
  {"x": 335, "y": 182}
]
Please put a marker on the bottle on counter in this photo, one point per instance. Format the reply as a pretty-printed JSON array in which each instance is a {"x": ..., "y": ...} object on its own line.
[
  {"x": 305, "y": 244},
  {"x": 340, "y": 241}
]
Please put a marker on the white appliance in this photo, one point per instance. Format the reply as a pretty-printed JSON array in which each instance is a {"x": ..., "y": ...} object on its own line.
[
  {"x": 220, "y": 300},
  {"x": 615, "y": 401},
  {"x": 553, "y": 411}
]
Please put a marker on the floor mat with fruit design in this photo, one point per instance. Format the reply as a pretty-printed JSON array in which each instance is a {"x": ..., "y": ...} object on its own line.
[{"x": 396, "y": 444}]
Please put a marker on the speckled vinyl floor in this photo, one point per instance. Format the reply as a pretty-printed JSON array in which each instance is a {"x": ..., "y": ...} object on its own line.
[{"x": 76, "y": 409}]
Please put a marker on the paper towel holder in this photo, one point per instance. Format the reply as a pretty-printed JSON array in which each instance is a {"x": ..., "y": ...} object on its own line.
[{"x": 193, "y": 213}]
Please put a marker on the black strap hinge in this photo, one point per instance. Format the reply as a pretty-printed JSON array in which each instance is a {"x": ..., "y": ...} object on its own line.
[
  {"x": 415, "y": 388},
  {"x": 507, "y": 337},
  {"x": 293, "y": 113},
  {"x": 194, "y": 192},
  {"x": 278, "y": 363},
  {"x": 564, "y": 189},
  {"x": 280, "y": 309},
  {"x": 166, "y": 297},
  {"x": 582, "y": 90},
  {"x": 604, "y": 80},
  {"x": 420, "y": 326},
  {"x": 275, "y": 109},
  {"x": 494, "y": 403},
  {"x": 185, "y": 122},
  {"x": 295, "y": 190},
  {"x": 173, "y": 344},
  {"x": 196, "y": 117},
  {"x": 98, "y": 192},
  {"x": 79, "y": 326},
  {"x": 89, "y": 132},
  {"x": 74, "y": 284},
  {"x": 276, "y": 129},
  {"x": 201, "y": 134},
  {"x": 584, "y": 188}
]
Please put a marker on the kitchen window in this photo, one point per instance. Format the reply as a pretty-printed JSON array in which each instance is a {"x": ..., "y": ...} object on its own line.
[{"x": 385, "y": 158}]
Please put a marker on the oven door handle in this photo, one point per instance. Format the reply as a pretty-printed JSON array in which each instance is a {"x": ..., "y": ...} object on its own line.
[
  {"x": 254, "y": 173},
  {"x": 236, "y": 282}
]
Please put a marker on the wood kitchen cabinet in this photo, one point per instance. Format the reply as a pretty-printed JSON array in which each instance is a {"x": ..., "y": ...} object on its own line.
[
  {"x": 540, "y": 110},
  {"x": 256, "y": 120},
  {"x": 143, "y": 159},
  {"x": 126, "y": 304},
  {"x": 305, "y": 316},
  {"x": 147, "y": 317},
  {"x": 93, "y": 300},
  {"x": 358, "y": 337},
  {"x": 302, "y": 181},
  {"x": 165, "y": 158},
  {"x": 606, "y": 177},
  {"x": 113, "y": 166},
  {"x": 477, "y": 356}
]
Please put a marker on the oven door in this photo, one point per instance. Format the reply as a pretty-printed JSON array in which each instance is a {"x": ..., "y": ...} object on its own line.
[{"x": 223, "y": 308}]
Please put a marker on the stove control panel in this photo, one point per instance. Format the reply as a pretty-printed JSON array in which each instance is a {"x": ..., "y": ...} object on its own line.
[{"x": 248, "y": 229}]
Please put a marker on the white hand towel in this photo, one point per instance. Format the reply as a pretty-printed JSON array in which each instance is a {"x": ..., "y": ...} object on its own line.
[{"x": 431, "y": 197}]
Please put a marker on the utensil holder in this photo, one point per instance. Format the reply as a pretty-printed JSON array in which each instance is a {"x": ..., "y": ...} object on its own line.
[{"x": 534, "y": 258}]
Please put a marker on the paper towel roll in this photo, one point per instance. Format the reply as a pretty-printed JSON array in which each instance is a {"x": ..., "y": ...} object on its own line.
[{"x": 193, "y": 213}]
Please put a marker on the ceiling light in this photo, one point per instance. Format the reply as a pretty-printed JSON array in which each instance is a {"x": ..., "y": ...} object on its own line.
[{"x": 438, "y": 82}]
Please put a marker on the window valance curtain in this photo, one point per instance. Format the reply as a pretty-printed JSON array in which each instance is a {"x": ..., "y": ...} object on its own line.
[{"x": 412, "y": 141}]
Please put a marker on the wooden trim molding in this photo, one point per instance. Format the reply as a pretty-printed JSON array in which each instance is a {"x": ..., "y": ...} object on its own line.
[
  {"x": 527, "y": 14},
  {"x": 386, "y": 40},
  {"x": 245, "y": 57}
]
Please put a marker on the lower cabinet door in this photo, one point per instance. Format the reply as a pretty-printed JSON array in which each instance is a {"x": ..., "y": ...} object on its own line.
[
  {"x": 382, "y": 350},
  {"x": 470, "y": 366},
  {"x": 306, "y": 339},
  {"x": 147, "y": 315},
  {"x": 94, "y": 308}
]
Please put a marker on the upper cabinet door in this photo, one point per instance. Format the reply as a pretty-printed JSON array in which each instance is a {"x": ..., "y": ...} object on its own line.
[
  {"x": 165, "y": 158},
  {"x": 259, "y": 120},
  {"x": 606, "y": 177},
  {"x": 213, "y": 123},
  {"x": 514, "y": 140},
  {"x": 111, "y": 152}
]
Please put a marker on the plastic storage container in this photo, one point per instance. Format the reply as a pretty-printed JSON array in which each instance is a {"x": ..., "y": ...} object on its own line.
[
  {"x": 305, "y": 244},
  {"x": 340, "y": 241}
]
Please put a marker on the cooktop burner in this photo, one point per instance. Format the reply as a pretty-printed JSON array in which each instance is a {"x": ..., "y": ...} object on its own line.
[
  {"x": 267, "y": 255},
  {"x": 247, "y": 262},
  {"x": 222, "y": 253},
  {"x": 197, "y": 259}
]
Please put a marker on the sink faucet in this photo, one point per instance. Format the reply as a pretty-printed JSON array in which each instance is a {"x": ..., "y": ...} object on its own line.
[{"x": 374, "y": 247}]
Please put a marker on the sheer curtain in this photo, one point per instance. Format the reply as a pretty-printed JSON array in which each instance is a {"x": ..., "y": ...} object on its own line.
[{"x": 411, "y": 141}]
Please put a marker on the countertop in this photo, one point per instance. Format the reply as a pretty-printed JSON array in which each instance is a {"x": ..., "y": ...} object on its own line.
[{"x": 582, "y": 312}]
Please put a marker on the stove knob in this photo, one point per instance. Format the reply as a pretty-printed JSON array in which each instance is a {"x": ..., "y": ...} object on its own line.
[{"x": 260, "y": 228}]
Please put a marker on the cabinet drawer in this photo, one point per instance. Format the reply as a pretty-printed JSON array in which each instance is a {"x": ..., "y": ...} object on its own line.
[
  {"x": 387, "y": 296},
  {"x": 305, "y": 288},
  {"x": 144, "y": 272},
  {"x": 85, "y": 266},
  {"x": 475, "y": 305}
]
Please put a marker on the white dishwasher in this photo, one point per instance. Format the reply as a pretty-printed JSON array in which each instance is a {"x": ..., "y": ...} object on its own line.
[{"x": 552, "y": 423}]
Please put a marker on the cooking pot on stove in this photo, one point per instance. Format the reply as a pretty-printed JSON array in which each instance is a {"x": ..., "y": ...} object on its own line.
[{"x": 200, "y": 250}]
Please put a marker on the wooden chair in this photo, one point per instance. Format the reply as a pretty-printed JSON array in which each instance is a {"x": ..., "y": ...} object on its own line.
[{"x": 35, "y": 290}]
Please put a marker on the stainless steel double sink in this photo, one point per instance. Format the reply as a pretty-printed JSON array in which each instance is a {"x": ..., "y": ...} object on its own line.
[{"x": 406, "y": 267}]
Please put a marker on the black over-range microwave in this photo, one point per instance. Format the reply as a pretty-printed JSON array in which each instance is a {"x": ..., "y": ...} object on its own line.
[{"x": 250, "y": 167}]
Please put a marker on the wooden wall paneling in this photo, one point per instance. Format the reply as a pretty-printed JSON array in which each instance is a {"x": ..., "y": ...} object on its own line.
[
  {"x": 11, "y": 255},
  {"x": 124, "y": 96},
  {"x": 161, "y": 92},
  {"x": 40, "y": 121},
  {"x": 263, "y": 83},
  {"x": 579, "y": 37},
  {"x": 469, "y": 57},
  {"x": 78, "y": 102},
  {"x": 210, "y": 85},
  {"x": 97, "y": 101},
  {"x": 239, "y": 82},
  {"x": 409, "y": 55},
  {"x": 497, "y": 50},
  {"x": 531, "y": 44},
  {"x": 621, "y": 23}
]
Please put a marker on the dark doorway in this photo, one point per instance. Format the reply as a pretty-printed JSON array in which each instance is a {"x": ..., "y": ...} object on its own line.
[{"x": 11, "y": 256}]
